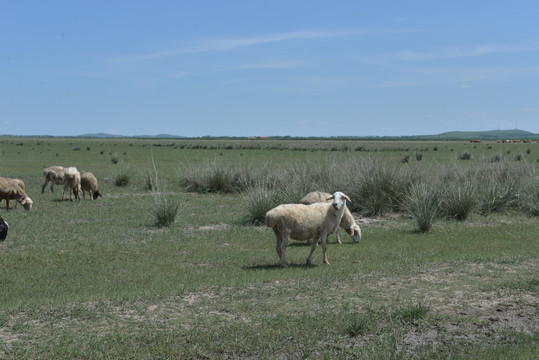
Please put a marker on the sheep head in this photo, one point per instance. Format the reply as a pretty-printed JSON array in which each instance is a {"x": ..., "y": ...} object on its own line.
[
  {"x": 339, "y": 200},
  {"x": 26, "y": 202},
  {"x": 355, "y": 233},
  {"x": 96, "y": 194}
]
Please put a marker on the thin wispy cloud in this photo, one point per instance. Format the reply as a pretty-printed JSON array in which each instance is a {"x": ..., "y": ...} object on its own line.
[
  {"x": 458, "y": 52},
  {"x": 227, "y": 44},
  {"x": 447, "y": 53},
  {"x": 263, "y": 66}
]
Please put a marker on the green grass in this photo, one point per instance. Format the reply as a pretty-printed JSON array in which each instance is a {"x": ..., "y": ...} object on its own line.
[{"x": 97, "y": 279}]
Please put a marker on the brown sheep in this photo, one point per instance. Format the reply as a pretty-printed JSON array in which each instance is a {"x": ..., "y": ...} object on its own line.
[{"x": 88, "y": 183}]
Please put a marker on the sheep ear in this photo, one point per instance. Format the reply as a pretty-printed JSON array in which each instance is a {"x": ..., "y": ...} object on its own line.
[
  {"x": 347, "y": 198},
  {"x": 331, "y": 197}
]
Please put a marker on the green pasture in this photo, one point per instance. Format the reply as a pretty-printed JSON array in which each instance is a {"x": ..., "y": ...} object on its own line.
[{"x": 98, "y": 280}]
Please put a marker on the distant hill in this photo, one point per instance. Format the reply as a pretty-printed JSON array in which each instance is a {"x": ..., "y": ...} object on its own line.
[
  {"x": 488, "y": 135},
  {"x": 104, "y": 135},
  {"x": 452, "y": 135}
]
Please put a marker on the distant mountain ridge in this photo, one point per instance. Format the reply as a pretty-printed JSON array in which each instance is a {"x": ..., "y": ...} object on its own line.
[
  {"x": 489, "y": 135},
  {"x": 451, "y": 135}
]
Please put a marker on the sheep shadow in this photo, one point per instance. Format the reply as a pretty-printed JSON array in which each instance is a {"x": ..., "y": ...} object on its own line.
[{"x": 278, "y": 266}]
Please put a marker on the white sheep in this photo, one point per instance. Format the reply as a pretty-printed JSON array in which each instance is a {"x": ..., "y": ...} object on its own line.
[
  {"x": 10, "y": 190},
  {"x": 72, "y": 181},
  {"x": 54, "y": 175},
  {"x": 88, "y": 183},
  {"x": 304, "y": 222},
  {"x": 348, "y": 222}
]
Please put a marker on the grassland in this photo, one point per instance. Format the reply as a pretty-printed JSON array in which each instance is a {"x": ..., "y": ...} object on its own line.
[{"x": 98, "y": 280}]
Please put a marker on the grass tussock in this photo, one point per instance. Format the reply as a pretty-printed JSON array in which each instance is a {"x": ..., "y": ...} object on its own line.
[{"x": 423, "y": 205}]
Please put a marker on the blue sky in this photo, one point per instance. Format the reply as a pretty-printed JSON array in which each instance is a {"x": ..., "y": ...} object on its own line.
[{"x": 244, "y": 68}]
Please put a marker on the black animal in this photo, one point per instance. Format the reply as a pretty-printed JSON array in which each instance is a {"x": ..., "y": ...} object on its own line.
[{"x": 3, "y": 229}]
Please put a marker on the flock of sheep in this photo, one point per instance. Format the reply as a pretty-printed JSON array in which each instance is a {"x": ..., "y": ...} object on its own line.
[
  {"x": 14, "y": 189},
  {"x": 317, "y": 216}
]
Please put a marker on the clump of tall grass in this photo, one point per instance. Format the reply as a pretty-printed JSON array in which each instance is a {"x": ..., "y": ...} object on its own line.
[
  {"x": 529, "y": 200},
  {"x": 115, "y": 158},
  {"x": 258, "y": 201},
  {"x": 210, "y": 177},
  {"x": 499, "y": 184},
  {"x": 374, "y": 188},
  {"x": 122, "y": 177},
  {"x": 147, "y": 179},
  {"x": 423, "y": 205},
  {"x": 165, "y": 210},
  {"x": 465, "y": 156},
  {"x": 459, "y": 200}
]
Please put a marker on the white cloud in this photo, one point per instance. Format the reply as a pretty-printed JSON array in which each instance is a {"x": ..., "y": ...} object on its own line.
[
  {"x": 394, "y": 84},
  {"x": 529, "y": 110},
  {"x": 263, "y": 66},
  {"x": 465, "y": 86},
  {"x": 227, "y": 44}
]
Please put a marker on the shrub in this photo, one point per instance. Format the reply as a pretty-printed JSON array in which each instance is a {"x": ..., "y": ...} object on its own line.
[
  {"x": 423, "y": 205},
  {"x": 418, "y": 156},
  {"x": 122, "y": 178},
  {"x": 115, "y": 158},
  {"x": 405, "y": 159},
  {"x": 465, "y": 156}
]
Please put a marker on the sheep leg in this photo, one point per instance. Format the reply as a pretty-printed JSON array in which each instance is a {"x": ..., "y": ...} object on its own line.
[
  {"x": 7, "y": 204},
  {"x": 44, "y": 185},
  {"x": 324, "y": 241},
  {"x": 282, "y": 241},
  {"x": 63, "y": 193},
  {"x": 313, "y": 247},
  {"x": 338, "y": 237}
]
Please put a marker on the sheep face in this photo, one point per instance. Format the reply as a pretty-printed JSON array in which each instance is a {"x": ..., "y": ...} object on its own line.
[
  {"x": 339, "y": 200},
  {"x": 355, "y": 233},
  {"x": 27, "y": 203},
  {"x": 96, "y": 194}
]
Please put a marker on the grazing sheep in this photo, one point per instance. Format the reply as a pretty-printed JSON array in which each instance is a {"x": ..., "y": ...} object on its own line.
[
  {"x": 54, "y": 175},
  {"x": 88, "y": 183},
  {"x": 3, "y": 229},
  {"x": 72, "y": 181},
  {"x": 10, "y": 190},
  {"x": 19, "y": 182},
  {"x": 304, "y": 222},
  {"x": 347, "y": 222}
]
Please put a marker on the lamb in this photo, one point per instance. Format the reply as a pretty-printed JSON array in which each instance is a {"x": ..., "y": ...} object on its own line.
[
  {"x": 10, "y": 190},
  {"x": 72, "y": 181},
  {"x": 54, "y": 175},
  {"x": 88, "y": 183},
  {"x": 347, "y": 222},
  {"x": 304, "y": 222}
]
